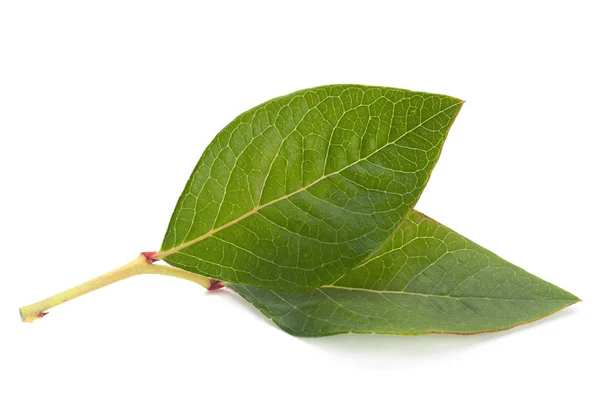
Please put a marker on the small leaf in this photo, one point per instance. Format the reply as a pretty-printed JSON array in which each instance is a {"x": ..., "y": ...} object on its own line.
[
  {"x": 299, "y": 190},
  {"x": 427, "y": 279}
]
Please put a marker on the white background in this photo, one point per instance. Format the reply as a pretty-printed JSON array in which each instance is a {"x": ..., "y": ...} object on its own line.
[{"x": 105, "y": 107}]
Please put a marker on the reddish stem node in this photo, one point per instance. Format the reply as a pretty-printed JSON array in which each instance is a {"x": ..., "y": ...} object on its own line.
[
  {"x": 149, "y": 255},
  {"x": 215, "y": 284}
]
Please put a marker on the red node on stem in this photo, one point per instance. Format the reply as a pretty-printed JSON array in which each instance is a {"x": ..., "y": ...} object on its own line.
[
  {"x": 149, "y": 256},
  {"x": 215, "y": 285}
]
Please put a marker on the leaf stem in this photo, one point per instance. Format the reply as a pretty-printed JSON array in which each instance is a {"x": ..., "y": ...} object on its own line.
[{"x": 141, "y": 265}]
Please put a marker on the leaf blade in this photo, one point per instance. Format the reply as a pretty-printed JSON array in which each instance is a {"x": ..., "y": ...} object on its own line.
[
  {"x": 428, "y": 293},
  {"x": 317, "y": 178}
]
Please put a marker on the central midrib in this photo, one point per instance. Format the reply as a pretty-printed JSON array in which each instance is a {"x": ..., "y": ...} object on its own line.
[
  {"x": 162, "y": 254},
  {"x": 382, "y": 292}
]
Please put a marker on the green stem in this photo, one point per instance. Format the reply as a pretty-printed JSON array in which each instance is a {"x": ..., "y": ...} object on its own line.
[{"x": 136, "y": 267}]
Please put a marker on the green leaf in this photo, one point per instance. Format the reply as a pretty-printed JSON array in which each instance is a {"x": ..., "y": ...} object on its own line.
[
  {"x": 427, "y": 279},
  {"x": 296, "y": 192}
]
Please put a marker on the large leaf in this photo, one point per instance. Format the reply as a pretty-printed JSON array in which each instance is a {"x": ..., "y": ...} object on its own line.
[
  {"x": 299, "y": 190},
  {"x": 427, "y": 279}
]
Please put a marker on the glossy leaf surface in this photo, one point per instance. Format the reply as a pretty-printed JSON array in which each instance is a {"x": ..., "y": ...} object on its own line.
[
  {"x": 427, "y": 279},
  {"x": 298, "y": 191}
]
